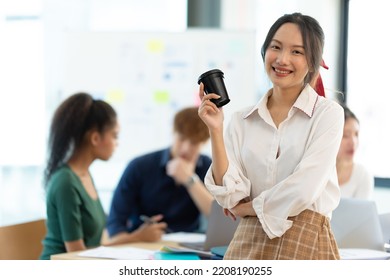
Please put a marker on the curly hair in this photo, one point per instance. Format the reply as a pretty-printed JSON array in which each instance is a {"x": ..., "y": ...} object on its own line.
[{"x": 74, "y": 117}]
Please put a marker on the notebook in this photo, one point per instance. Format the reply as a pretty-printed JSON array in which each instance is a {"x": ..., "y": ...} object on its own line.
[
  {"x": 355, "y": 224},
  {"x": 218, "y": 252},
  {"x": 220, "y": 230}
]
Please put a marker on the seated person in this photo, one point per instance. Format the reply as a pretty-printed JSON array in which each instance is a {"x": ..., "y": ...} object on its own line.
[
  {"x": 165, "y": 185},
  {"x": 82, "y": 130},
  {"x": 354, "y": 179}
]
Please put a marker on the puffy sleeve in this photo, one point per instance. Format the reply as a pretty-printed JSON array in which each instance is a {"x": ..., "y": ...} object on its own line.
[{"x": 236, "y": 186}]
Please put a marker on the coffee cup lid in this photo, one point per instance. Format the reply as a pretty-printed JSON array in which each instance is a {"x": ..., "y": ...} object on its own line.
[{"x": 205, "y": 74}]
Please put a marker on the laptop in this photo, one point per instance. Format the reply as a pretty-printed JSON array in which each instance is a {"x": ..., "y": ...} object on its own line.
[
  {"x": 219, "y": 232},
  {"x": 355, "y": 224},
  {"x": 384, "y": 218}
]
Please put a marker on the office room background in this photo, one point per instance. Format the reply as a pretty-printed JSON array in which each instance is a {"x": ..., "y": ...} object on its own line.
[{"x": 144, "y": 58}]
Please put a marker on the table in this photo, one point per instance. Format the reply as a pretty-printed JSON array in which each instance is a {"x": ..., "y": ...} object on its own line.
[{"x": 141, "y": 245}]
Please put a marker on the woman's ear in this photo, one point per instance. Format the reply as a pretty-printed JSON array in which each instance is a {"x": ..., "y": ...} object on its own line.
[{"x": 94, "y": 138}]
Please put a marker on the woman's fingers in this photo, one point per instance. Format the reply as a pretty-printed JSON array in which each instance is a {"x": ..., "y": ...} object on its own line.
[{"x": 229, "y": 214}]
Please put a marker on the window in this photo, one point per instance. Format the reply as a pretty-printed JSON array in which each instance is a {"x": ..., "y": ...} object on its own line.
[
  {"x": 31, "y": 57},
  {"x": 367, "y": 91},
  {"x": 22, "y": 109}
]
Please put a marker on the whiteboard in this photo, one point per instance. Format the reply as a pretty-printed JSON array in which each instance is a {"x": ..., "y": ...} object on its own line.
[{"x": 147, "y": 77}]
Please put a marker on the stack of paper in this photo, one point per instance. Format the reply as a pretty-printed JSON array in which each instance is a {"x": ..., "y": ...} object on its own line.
[
  {"x": 181, "y": 237},
  {"x": 126, "y": 253}
]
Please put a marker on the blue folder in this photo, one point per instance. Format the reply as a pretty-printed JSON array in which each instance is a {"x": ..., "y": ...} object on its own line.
[
  {"x": 218, "y": 252},
  {"x": 175, "y": 256}
]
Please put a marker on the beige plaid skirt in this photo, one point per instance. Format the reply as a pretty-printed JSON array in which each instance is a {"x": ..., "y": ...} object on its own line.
[{"x": 309, "y": 238}]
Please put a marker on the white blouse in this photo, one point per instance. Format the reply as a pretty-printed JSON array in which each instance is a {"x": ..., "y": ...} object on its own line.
[
  {"x": 283, "y": 170},
  {"x": 360, "y": 185}
]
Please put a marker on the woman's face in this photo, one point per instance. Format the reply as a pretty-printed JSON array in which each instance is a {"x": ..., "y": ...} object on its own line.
[
  {"x": 350, "y": 140},
  {"x": 285, "y": 58},
  {"x": 107, "y": 142}
]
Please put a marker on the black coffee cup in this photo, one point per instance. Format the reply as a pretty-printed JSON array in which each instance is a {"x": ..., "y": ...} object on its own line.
[{"x": 213, "y": 83}]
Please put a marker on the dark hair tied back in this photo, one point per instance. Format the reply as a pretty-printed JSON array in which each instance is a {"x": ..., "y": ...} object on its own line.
[{"x": 74, "y": 117}]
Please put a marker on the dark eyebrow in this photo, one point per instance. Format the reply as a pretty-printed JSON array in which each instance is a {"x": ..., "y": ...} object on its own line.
[{"x": 295, "y": 46}]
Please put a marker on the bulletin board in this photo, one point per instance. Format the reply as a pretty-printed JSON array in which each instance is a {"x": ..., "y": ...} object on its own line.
[{"x": 148, "y": 76}]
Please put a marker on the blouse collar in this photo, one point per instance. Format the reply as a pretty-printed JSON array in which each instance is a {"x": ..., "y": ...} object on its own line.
[{"x": 306, "y": 102}]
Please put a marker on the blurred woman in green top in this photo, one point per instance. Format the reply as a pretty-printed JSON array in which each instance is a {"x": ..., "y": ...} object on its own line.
[{"x": 82, "y": 130}]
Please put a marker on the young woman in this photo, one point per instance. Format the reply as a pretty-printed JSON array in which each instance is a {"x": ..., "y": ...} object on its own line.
[
  {"x": 354, "y": 179},
  {"x": 275, "y": 167},
  {"x": 82, "y": 130}
]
